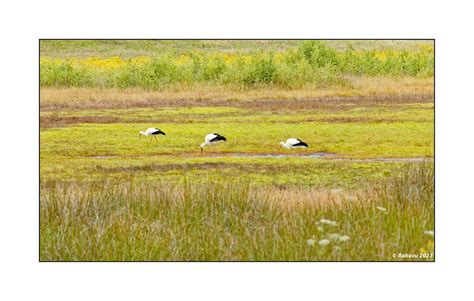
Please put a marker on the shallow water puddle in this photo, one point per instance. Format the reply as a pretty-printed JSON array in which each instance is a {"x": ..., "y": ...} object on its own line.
[
  {"x": 243, "y": 155},
  {"x": 418, "y": 159},
  {"x": 331, "y": 156}
]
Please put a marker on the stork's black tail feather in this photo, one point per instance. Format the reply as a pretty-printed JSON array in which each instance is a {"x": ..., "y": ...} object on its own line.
[
  {"x": 159, "y": 132},
  {"x": 301, "y": 143},
  {"x": 219, "y": 138}
]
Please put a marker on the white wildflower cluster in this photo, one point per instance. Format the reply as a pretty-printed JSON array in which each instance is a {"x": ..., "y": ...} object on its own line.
[
  {"x": 344, "y": 238},
  {"x": 324, "y": 242},
  {"x": 337, "y": 237},
  {"x": 331, "y": 238},
  {"x": 327, "y": 222}
]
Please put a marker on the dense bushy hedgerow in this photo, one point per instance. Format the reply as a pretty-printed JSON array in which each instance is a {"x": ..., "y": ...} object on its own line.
[{"x": 313, "y": 63}]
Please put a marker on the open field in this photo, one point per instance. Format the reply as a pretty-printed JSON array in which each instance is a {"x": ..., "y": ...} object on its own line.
[
  {"x": 107, "y": 195},
  {"x": 133, "y": 48},
  {"x": 97, "y": 139}
]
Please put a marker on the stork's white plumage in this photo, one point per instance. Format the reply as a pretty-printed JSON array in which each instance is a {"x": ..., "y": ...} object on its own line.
[
  {"x": 293, "y": 143},
  {"x": 152, "y": 132},
  {"x": 211, "y": 139}
]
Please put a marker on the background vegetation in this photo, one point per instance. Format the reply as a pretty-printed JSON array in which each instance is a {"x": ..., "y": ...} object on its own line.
[
  {"x": 311, "y": 63},
  {"x": 134, "y": 48}
]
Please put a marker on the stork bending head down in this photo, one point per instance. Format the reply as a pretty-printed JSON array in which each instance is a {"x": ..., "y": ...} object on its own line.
[
  {"x": 211, "y": 139},
  {"x": 293, "y": 143}
]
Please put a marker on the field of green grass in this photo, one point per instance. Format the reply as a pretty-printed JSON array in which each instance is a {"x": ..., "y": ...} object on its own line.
[
  {"x": 108, "y": 195},
  {"x": 134, "y": 48}
]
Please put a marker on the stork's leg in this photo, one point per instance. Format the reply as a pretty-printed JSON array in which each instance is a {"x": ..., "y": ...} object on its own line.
[{"x": 155, "y": 139}]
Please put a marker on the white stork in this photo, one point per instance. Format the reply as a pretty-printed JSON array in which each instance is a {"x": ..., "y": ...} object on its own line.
[
  {"x": 293, "y": 143},
  {"x": 211, "y": 139},
  {"x": 152, "y": 132}
]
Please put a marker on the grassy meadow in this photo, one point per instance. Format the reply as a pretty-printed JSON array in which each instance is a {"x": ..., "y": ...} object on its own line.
[{"x": 363, "y": 190}]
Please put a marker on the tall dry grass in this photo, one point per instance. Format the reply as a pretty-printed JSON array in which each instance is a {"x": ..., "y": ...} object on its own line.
[
  {"x": 363, "y": 90},
  {"x": 229, "y": 221}
]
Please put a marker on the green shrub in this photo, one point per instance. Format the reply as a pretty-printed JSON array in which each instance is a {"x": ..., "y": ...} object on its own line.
[{"x": 313, "y": 63}]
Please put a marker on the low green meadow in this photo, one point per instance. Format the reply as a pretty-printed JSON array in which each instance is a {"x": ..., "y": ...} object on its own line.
[
  {"x": 356, "y": 133},
  {"x": 135, "y": 48}
]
